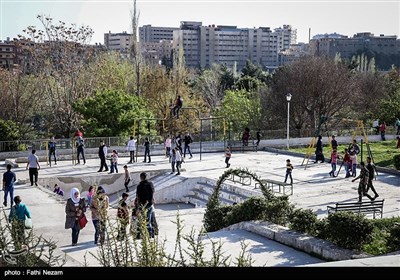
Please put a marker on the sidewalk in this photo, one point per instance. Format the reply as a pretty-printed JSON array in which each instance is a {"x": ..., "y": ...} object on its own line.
[{"x": 313, "y": 188}]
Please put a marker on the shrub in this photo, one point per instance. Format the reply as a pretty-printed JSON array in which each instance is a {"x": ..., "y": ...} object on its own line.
[
  {"x": 278, "y": 210},
  {"x": 349, "y": 230},
  {"x": 303, "y": 220},
  {"x": 396, "y": 161},
  {"x": 394, "y": 239},
  {"x": 214, "y": 217},
  {"x": 322, "y": 228},
  {"x": 251, "y": 209}
]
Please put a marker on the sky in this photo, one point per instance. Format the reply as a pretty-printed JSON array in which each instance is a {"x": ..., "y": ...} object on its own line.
[{"x": 323, "y": 16}]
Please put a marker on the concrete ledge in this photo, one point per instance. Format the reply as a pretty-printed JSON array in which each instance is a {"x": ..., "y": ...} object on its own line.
[{"x": 300, "y": 241}]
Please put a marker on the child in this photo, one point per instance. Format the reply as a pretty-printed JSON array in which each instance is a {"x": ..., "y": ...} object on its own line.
[
  {"x": 58, "y": 190},
  {"x": 289, "y": 168},
  {"x": 334, "y": 158},
  {"x": 114, "y": 162},
  {"x": 122, "y": 216},
  {"x": 228, "y": 155},
  {"x": 127, "y": 178},
  {"x": 91, "y": 191},
  {"x": 353, "y": 159}
]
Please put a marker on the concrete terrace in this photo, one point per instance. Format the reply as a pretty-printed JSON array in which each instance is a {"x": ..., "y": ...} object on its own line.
[{"x": 313, "y": 188}]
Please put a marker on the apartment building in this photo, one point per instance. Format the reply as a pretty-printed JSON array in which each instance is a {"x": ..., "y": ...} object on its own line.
[
  {"x": 383, "y": 46},
  {"x": 117, "y": 41},
  {"x": 229, "y": 45},
  {"x": 8, "y": 54},
  {"x": 293, "y": 53},
  {"x": 153, "y": 34}
]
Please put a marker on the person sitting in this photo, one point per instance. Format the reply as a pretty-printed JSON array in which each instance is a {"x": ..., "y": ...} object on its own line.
[
  {"x": 178, "y": 106},
  {"x": 58, "y": 190}
]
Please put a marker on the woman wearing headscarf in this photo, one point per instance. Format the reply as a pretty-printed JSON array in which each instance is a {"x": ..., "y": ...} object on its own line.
[
  {"x": 99, "y": 207},
  {"x": 74, "y": 209}
]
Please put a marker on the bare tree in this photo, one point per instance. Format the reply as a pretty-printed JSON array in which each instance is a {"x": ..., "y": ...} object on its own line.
[{"x": 135, "y": 53}]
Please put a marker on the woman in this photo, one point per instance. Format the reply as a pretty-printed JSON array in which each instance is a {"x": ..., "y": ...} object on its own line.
[
  {"x": 74, "y": 210},
  {"x": 99, "y": 207}
]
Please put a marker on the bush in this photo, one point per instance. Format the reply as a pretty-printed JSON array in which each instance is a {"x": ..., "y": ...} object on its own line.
[
  {"x": 349, "y": 230},
  {"x": 322, "y": 228},
  {"x": 394, "y": 239},
  {"x": 303, "y": 220},
  {"x": 278, "y": 210},
  {"x": 396, "y": 161},
  {"x": 214, "y": 218},
  {"x": 251, "y": 209}
]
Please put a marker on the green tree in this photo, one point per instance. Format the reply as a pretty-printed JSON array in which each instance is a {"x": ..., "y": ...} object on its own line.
[
  {"x": 389, "y": 107},
  {"x": 111, "y": 113},
  {"x": 242, "y": 108}
]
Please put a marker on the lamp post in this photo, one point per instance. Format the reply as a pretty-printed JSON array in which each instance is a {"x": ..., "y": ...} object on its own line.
[{"x": 288, "y": 97}]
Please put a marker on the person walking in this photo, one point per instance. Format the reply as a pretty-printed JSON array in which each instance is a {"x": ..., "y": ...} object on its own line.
[
  {"x": 99, "y": 208},
  {"x": 145, "y": 198},
  {"x": 18, "y": 214},
  {"x": 80, "y": 149},
  {"x": 102, "y": 155},
  {"x": 178, "y": 160},
  {"x": 258, "y": 136},
  {"x": 52, "y": 150},
  {"x": 289, "y": 169},
  {"x": 228, "y": 155},
  {"x": 9, "y": 178},
  {"x": 382, "y": 129},
  {"x": 347, "y": 162},
  {"x": 371, "y": 171},
  {"x": 167, "y": 146},
  {"x": 334, "y": 143},
  {"x": 334, "y": 159},
  {"x": 362, "y": 186},
  {"x": 319, "y": 155},
  {"x": 33, "y": 165},
  {"x": 146, "y": 149},
  {"x": 173, "y": 160},
  {"x": 74, "y": 209},
  {"x": 127, "y": 178},
  {"x": 187, "y": 141},
  {"x": 131, "y": 148}
]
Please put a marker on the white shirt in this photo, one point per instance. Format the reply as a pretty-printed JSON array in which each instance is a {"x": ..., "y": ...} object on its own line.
[
  {"x": 33, "y": 161},
  {"x": 131, "y": 146}
]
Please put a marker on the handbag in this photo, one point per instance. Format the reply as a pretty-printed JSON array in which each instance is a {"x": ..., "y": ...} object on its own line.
[
  {"x": 28, "y": 223},
  {"x": 82, "y": 221}
]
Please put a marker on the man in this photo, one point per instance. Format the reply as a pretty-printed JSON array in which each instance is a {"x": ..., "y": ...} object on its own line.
[
  {"x": 131, "y": 148},
  {"x": 102, "y": 155},
  {"x": 371, "y": 170},
  {"x": 364, "y": 176},
  {"x": 52, "y": 150},
  {"x": 9, "y": 178},
  {"x": 334, "y": 143},
  {"x": 258, "y": 136},
  {"x": 187, "y": 141},
  {"x": 178, "y": 106},
  {"x": 80, "y": 149},
  {"x": 144, "y": 195},
  {"x": 33, "y": 165}
]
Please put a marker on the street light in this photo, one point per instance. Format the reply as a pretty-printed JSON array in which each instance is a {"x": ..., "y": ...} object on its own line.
[{"x": 288, "y": 97}]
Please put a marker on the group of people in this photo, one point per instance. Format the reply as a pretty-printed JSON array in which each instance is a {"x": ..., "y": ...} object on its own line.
[{"x": 98, "y": 202}]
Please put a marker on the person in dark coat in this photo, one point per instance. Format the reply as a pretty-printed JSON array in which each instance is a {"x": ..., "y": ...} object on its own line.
[
  {"x": 319, "y": 155},
  {"x": 145, "y": 199},
  {"x": 74, "y": 209}
]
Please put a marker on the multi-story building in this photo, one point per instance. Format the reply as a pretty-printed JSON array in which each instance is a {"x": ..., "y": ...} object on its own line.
[
  {"x": 155, "y": 52},
  {"x": 153, "y": 34},
  {"x": 382, "y": 46},
  {"x": 8, "y": 54},
  {"x": 229, "y": 45},
  {"x": 293, "y": 53},
  {"x": 117, "y": 41}
]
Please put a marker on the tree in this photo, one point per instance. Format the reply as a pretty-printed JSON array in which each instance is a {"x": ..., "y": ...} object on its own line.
[
  {"x": 241, "y": 108},
  {"x": 60, "y": 55},
  {"x": 111, "y": 113},
  {"x": 135, "y": 54},
  {"x": 319, "y": 87}
]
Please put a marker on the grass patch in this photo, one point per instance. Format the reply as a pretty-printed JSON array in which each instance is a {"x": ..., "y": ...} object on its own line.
[{"x": 383, "y": 152}]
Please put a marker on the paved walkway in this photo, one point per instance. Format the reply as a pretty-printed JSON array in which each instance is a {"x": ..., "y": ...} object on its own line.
[{"x": 313, "y": 188}]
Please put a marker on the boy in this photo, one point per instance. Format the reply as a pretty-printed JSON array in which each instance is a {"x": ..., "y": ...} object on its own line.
[
  {"x": 228, "y": 155},
  {"x": 289, "y": 168}
]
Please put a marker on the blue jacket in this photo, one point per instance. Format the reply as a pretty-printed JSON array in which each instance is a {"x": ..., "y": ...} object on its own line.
[{"x": 19, "y": 212}]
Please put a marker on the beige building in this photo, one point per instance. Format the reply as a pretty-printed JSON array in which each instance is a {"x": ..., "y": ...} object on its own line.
[
  {"x": 382, "y": 45},
  {"x": 117, "y": 41},
  {"x": 293, "y": 53},
  {"x": 148, "y": 33},
  {"x": 229, "y": 45}
]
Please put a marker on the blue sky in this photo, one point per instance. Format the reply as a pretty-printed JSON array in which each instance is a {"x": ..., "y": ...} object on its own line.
[{"x": 347, "y": 18}]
